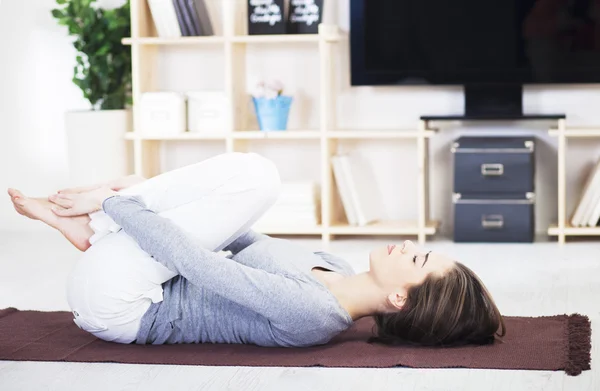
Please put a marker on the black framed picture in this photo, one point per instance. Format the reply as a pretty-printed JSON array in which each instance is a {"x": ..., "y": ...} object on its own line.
[
  {"x": 266, "y": 17},
  {"x": 305, "y": 16}
]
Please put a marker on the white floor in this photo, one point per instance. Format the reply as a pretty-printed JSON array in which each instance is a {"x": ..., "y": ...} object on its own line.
[{"x": 526, "y": 280}]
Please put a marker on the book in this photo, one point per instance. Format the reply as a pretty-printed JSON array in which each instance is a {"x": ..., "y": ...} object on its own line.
[
  {"x": 364, "y": 190},
  {"x": 593, "y": 197},
  {"x": 179, "y": 10},
  {"x": 201, "y": 17},
  {"x": 595, "y": 214},
  {"x": 215, "y": 9},
  {"x": 190, "y": 19},
  {"x": 358, "y": 189},
  {"x": 165, "y": 18},
  {"x": 592, "y": 214},
  {"x": 585, "y": 201},
  {"x": 343, "y": 190}
]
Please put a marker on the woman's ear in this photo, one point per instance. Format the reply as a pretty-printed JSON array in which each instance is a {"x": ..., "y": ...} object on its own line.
[{"x": 397, "y": 300}]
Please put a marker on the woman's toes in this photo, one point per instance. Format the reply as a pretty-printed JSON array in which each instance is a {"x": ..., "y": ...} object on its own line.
[{"x": 14, "y": 193}]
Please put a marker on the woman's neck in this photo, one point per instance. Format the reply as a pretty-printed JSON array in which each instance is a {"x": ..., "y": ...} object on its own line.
[{"x": 359, "y": 295}]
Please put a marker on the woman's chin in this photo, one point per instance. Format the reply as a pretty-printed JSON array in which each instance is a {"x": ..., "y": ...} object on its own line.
[{"x": 374, "y": 256}]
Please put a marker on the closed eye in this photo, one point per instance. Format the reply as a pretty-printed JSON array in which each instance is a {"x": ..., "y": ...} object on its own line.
[{"x": 426, "y": 258}]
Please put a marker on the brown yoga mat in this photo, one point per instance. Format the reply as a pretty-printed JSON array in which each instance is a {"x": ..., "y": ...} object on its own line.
[{"x": 544, "y": 343}]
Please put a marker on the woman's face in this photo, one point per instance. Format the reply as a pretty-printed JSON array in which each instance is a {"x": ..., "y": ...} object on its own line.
[{"x": 396, "y": 268}]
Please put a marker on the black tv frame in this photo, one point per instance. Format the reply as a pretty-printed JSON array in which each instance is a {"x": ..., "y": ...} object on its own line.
[{"x": 481, "y": 99}]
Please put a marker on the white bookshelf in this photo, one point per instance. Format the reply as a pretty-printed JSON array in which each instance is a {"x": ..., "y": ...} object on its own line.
[{"x": 237, "y": 137}]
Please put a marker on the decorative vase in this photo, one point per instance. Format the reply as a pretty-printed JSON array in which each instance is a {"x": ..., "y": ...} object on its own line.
[
  {"x": 96, "y": 145},
  {"x": 272, "y": 113}
]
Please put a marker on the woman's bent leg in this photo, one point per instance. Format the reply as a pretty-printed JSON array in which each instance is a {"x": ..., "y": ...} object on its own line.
[
  {"x": 215, "y": 200},
  {"x": 236, "y": 183}
]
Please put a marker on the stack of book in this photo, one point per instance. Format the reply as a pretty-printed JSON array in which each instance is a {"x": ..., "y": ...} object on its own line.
[
  {"x": 296, "y": 207},
  {"x": 357, "y": 188},
  {"x": 183, "y": 18},
  {"x": 587, "y": 211}
]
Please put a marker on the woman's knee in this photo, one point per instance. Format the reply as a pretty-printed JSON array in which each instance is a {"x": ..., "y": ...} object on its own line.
[{"x": 264, "y": 174}]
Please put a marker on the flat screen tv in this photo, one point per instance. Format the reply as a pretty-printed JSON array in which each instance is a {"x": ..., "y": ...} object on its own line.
[{"x": 491, "y": 47}]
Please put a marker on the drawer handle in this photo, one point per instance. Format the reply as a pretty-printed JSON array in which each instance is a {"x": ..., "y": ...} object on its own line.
[
  {"x": 492, "y": 169},
  {"x": 492, "y": 221}
]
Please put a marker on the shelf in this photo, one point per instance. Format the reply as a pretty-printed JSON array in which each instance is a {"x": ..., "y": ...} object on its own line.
[
  {"x": 289, "y": 230},
  {"x": 384, "y": 228},
  {"x": 216, "y": 135},
  {"x": 377, "y": 134},
  {"x": 577, "y": 132},
  {"x": 279, "y": 135},
  {"x": 523, "y": 117},
  {"x": 574, "y": 231},
  {"x": 380, "y": 228},
  {"x": 282, "y": 135},
  {"x": 283, "y": 38},
  {"x": 211, "y": 40}
]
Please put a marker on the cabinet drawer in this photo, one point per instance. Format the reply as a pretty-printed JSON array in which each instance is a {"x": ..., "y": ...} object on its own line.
[
  {"x": 503, "y": 218},
  {"x": 494, "y": 165}
]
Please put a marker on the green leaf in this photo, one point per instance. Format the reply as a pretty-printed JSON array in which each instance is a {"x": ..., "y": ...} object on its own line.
[
  {"x": 73, "y": 29},
  {"x": 58, "y": 14},
  {"x": 103, "y": 50}
]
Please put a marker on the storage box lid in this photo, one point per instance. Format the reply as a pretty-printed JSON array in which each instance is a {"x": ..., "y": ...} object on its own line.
[
  {"x": 466, "y": 143},
  {"x": 162, "y": 97},
  {"x": 200, "y": 95}
]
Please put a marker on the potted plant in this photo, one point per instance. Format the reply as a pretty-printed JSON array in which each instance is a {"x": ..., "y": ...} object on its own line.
[
  {"x": 103, "y": 73},
  {"x": 272, "y": 108}
]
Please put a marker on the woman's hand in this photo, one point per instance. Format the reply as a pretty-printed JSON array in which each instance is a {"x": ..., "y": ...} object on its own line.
[{"x": 77, "y": 204}]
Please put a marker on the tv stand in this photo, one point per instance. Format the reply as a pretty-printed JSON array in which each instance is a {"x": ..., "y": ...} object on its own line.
[
  {"x": 521, "y": 117},
  {"x": 562, "y": 229},
  {"x": 493, "y": 100}
]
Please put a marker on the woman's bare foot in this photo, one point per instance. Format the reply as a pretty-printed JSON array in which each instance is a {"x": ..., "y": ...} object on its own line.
[{"x": 75, "y": 229}]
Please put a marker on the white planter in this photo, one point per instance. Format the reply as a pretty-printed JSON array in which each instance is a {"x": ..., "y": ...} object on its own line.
[{"x": 96, "y": 145}]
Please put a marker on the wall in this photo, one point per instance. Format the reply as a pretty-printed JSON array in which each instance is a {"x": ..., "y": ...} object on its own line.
[
  {"x": 35, "y": 91},
  {"x": 32, "y": 149}
]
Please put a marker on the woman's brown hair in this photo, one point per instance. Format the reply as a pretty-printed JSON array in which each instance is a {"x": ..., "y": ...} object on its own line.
[{"x": 445, "y": 310}]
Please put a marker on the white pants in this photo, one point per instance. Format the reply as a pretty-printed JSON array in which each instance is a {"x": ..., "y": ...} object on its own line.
[{"x": 216, "y": 200}]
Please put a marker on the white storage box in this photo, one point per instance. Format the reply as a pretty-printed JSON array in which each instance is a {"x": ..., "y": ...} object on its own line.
[
  {"x": 207, "y": 111},
  {"x": 162, "y": 113}
]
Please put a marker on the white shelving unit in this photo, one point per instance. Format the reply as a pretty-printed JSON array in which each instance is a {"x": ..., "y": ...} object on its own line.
[
  {"x": 562, "y": 229},
  {"x": 237, "y": 136}
]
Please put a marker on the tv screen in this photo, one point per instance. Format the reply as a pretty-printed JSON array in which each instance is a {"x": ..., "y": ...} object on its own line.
[{"x": 474, "y": 41}]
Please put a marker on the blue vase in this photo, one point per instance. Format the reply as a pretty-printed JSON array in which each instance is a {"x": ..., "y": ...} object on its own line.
[{"x": 272, "y": 114}]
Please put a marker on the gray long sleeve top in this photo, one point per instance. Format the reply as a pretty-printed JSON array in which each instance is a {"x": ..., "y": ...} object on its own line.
[{"x": 263, "y": 293}]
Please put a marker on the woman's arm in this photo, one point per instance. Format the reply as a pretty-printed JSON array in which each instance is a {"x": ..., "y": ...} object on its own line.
[
  {"x": 244, "y": 241},
  {"x": 271, "y": 295}
]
